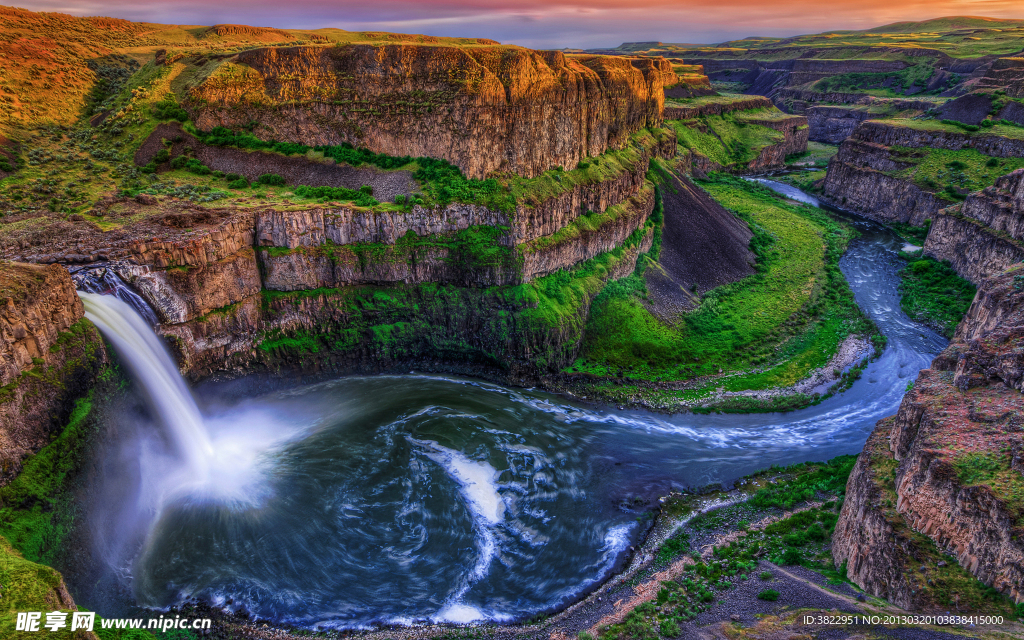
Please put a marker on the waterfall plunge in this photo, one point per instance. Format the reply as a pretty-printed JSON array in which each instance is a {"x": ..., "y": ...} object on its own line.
[{"x": 148, "y": 360}]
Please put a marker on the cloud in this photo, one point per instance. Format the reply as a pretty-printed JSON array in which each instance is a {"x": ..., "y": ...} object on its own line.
[{"x": 546, "y": 23}]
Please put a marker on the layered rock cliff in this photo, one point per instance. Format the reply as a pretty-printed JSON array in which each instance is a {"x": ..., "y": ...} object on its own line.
[
  {"x": 49, "y": 356},
  {"x": 731, "y": 134},
  {"x": 484, "y": 109},
  {"x": 870, "y": 173},
  {"x": 685, "y": 111},
  {"x": 946, "y": 472},
  {"x": 985, "y": 235}
]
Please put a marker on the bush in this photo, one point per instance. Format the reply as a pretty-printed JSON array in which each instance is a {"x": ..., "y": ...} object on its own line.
[
  {"x": 240, "y": 183},
  {"x": 765, "y": 575},
  {"x": 792, "y": 556},
  {"x": 669, "y": 629},
  {"x": 992, "y": 163},
  {"x": 179, "y": 162},
  {"x": 231, "y": 177},
  {"x": 194, "y": 166},
  {"x": 771, "y": 595},
  {"x": 400, "y": 200},
  {"x": 271, "y": 180},
  {"x": 162, "y": 156},
  {"x": 168, "y": 109}
]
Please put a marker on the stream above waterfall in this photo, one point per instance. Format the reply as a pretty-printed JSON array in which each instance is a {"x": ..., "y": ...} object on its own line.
[{"x": 403, "y": 499}]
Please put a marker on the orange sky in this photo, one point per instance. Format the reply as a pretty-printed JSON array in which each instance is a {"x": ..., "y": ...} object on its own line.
[{"x": 548, "y": 23}]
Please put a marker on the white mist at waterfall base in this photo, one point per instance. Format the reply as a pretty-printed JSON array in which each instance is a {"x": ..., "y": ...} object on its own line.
[{"x": 222, "y": 458}]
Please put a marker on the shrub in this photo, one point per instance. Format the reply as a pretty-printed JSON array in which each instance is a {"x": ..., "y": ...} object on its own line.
[
  {"x": 231, "y": 177},
  {"x": 992, "y": 163},
  {"x": 168, "y": 109},
  {"x": 956, "y": 165},
  {"x": 241, "y": 183},
  {"x": 669, "y": 628},
  {"x": 194, "y": 166},
  {"x": 271, "y": 180},
  {"x": 400, "y": 199},
  {"x": 179, "y": 162},
  {"x": 765, "y": 575},
  {"x": 792, "y": 556},
  {"x": 162, "y": 156},
  {"x": 771, "y": 595}
]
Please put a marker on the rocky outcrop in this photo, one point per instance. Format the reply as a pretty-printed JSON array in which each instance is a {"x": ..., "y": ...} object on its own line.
[
  {"x": 714, "y": 108},
  {"x": 295, "y": 169},
  {"x": 859, "y": 180},
  {"x": 799, "y": 100},
  {"x": 690, "y": 81},
  {"x": 898, "y": 136},
  {"x": 49, "y": 356},
  {"x": 587, "y": 238},
  {"x": 1005, "y": 74},
  {"x": 365, "y": 329},
  {"x": 863, "y": 175},
  {"x": 832, "y": 125},
  {"x": 944, "y": 468},
  {"x": 1000, "y": 207},
  {"x": 484, "y": 109},
  {"x": 869, "y": 539},
  {"x": 347, "y": 225},
  {"x": 986, "y": 235},
  {"x": 182, "y": 293},
  {"x": 973, "y": 250}
]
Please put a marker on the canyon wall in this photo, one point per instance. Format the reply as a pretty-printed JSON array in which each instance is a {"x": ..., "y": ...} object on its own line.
[
  {"x": 485, "y": 109},
  {"x": 864, "y": 176},
  {"x": 860, "y": 178},
  {"x": 688, "y": 112},
  {"x": 943, "y": 475},
  {"x": 985, "y": 235},
  {"x": 757, "y": 111},
  {"x": 49, "y": 357},
  {"x": 348, "y": 288}
]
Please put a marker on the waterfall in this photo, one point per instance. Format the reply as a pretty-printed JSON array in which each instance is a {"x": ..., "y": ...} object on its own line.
[
  {"x": 105, "y": 281},
  {"x": 151, "y": 364}
]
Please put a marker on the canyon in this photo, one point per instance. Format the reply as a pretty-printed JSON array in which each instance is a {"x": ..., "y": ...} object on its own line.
[{"x": 583, "y": 161}]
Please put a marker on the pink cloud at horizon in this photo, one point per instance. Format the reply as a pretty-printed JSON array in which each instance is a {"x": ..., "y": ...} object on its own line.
[{"x": 546, "y": 23}]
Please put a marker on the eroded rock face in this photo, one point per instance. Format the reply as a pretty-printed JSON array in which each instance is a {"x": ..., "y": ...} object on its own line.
[
  {"x": 858, "y": 180},
  {"x": 715, "y": 108},
  {"x": 483, "y": 109},
  {"x": 869, "y": 540},
  {"x": 49, "y": 356},
  {"x": 832, "y": 125},
  {"x": 862, "y": 176},
  {"x": 911, "y": 476},
  {"x": 974, "y": 251},
  {"x": 985, "y": 235},
  {"x": 1001, "y": 206}
]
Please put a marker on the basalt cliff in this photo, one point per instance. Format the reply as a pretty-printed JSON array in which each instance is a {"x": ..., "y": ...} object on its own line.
[
  {"x": 49, "y": 356},
  {"x": 483, "y": 109},
  {"x": 940, "y": 482}
]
